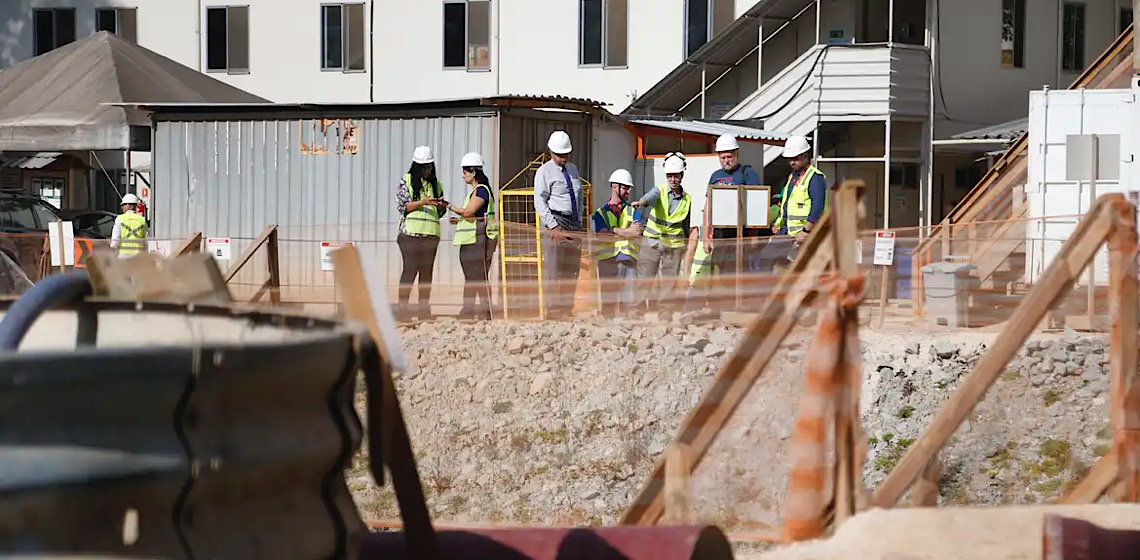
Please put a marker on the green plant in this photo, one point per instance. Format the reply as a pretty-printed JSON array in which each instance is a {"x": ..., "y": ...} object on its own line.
[
  {"x": 905, "y": 412},
  {"x": 1055, "y": 449},
  {"x": 501, "y": 407},
  {"x": 1048, "y": 487},
  {"x": 1101, "y": 449},
  {"x": 1011, "y": 375},
  {"x": 1052, "y": 396}
]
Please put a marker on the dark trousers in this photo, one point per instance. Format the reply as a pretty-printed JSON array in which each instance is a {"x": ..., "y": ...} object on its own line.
[
  {"x": 561, "y": 263},
  {"x": 418, "y": 254},
  {"x": 475, "y": 259}
]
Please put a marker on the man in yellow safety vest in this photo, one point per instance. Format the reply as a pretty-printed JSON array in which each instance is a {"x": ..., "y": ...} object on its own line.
[
  {"x": 667, "y": 230},
  {"x": 617, "y": 252},
  {"x": 128, "y": 235},
  {"x": 804, "y": 197}
]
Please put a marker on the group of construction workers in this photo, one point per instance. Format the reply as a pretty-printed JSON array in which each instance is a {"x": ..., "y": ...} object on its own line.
[
  {"x": 655, "y": 234},
  {"x": 642, "y": 238}
]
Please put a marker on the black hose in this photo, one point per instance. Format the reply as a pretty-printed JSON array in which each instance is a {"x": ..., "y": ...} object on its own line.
[{"x": 57, "y": 289}]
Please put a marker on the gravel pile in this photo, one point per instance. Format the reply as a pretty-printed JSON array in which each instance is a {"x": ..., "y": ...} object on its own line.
[{"x": 559, "y": 423}]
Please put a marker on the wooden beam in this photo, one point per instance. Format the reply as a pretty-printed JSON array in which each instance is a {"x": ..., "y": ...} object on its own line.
[
  {"x": 1124, "y": 409},
  {"x": 740, "y": 371},
  {"x": 677, "y": 484},
  {"x": 1074, "y": 256},
  {"x": 191, "y": 244},
  {"x": 1096, "y": 482},
  {"x": 249, "y": 252}
]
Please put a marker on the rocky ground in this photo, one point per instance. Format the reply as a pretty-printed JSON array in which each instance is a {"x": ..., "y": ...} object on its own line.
[{"x": 541, "y": 423}]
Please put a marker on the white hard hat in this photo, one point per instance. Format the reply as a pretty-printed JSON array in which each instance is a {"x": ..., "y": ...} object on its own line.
[
  {"x": 621, "y": 177},
  {"x": 130, "y": 198},
  {"x": 559, "y": 142},
  {"x": 726, "y": 143},
  {"x": 674, "y": 162},
  {"x": 422, "y": 154},
  {"x": 471, "y": 159},
  {"x": 795, "y": 146}
]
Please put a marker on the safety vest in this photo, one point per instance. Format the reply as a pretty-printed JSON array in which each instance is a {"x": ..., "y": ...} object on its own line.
[
  {"x": 668, "y": 226},
  {"x": 132, "y": 234},
  {"x": 797, "y": 202},
  {"x": 703, "y": 263},
  {"x": 467, "y": 228},
  {"x": 610, "y": 249},
  {"x": 425, "y": 219}
]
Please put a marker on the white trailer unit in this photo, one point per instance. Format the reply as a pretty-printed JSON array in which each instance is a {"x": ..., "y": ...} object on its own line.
[{"x": 1066, "y": 129}]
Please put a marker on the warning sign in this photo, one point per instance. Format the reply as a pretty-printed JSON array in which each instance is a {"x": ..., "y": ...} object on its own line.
[
  {"x": 884, "y": 248},
  {"x": 327, "y": 247},
  {"x": 218, "y": 247}
]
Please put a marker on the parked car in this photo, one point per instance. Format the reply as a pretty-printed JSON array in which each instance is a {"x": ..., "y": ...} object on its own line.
[{"x": 94, "y": 224}]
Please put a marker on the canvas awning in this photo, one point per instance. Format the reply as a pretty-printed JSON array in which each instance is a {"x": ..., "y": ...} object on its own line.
[{"x": 61, "y": 99}]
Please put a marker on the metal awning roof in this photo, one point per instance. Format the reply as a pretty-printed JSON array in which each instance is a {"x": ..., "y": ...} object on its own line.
[
  {"x": 35, "y": 161},
  {"x": 724, "y": 51},
  {"x": 1008, "y": 131},
  {"x": 714, "y": 128}
]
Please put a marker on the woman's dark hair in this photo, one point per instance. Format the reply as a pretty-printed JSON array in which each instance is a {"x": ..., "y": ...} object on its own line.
[
  {"x": 480, "y": 177},
  {"x": 416, "y": 171}
]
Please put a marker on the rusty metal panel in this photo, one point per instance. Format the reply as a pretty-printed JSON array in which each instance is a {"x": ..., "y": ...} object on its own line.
[
  {"x": 1076, "y": 539},
  {"x": 219, "y": 451}
]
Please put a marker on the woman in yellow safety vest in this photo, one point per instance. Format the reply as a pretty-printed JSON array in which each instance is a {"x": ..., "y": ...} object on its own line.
[
  {"x": 419, "y": 200},
  {"x": 476, "y": 232}
]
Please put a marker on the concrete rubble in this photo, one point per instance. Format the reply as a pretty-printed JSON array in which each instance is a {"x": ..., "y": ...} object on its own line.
[{"x": 560, "y": 422}]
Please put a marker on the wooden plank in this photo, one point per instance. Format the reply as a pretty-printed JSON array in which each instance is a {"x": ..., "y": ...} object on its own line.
[
  {"x": 1124, "y": 411},
  {"x": 192, "y": 244},
  {"x": 1074, "y": 256},
  {"x": 925, "y": 491},
  {"x": 1096, "y": 482},
  {"x": 849, "y": 471},
  {"x": 677, "y": 484},
  {"x": 249, "y": 252},
  {"x": 776, "y": 319}
]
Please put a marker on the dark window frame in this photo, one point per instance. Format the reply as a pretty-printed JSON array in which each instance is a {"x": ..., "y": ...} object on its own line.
[
  {"x": 1073, "y": 48},
  {"x": 228, "y": 67},
  {"x": 450, "y": 43},
  {"x": 1124, "y": 18},
  {"x": 712, "y": 7},
  {"x": 1017, "y": 21},
  {"x": 56, "y": 40},
  {"x": 612, "y": 54},
  {"x": 349, "y": 41},
  {"x": 118, "y": 12}
]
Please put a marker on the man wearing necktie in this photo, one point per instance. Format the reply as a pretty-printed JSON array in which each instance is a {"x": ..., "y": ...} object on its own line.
[{"x": 558, "y": 201}]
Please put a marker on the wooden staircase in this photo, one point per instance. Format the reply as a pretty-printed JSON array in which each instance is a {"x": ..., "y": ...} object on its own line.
[{"x": 988, "y": 227}]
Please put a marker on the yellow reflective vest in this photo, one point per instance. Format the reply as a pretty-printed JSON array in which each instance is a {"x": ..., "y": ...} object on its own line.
[
  {"x": 668, "y": 226},
  {"x": 797, "y": 203},
  {"x": 610, "y": 249},
  {"x": 467, "y": 228},
  {"x": 132, "y": 234},
  {"x": 425, "y": 219}
]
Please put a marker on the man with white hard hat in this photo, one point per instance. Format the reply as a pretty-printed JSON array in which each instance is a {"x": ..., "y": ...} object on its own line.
[
  {"x": 558, "y": 201},
  {"x": 804, "y": 197},
  {"x": 618, "y": 243},
  {"x": 669, "y": 237},
  {"x": 128, "y": 235}
]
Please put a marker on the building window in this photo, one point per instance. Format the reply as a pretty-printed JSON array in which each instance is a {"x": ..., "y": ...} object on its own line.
[
  {"x": 467, "y": 34},
  {"x": 1125, "y": 19},
  {"x": 1073, "y": 37},
  {"x": 1013, "y": 33},
  {"x": 603, "y": 33},
  {"x": 52, "y": 28},
  {"x": 704, "y": 19},
  {"x": 120, "y": 21},
  {"x": 227, "y": 39},
  {"x": 342, "y": 37}
]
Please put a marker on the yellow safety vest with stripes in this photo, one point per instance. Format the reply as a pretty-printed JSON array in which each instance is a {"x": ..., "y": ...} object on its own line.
[
  {"x": 467, "y": 228},
  {"x": 610, "y": 249},
  {"x": 425, "y": 219},
  {"x": 132, "y": 234},
  {"x": 797, "y": 202},
  {"x": 668, "y": 226}
]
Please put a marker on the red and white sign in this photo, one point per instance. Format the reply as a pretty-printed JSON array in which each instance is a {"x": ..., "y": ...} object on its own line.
[
  {"x": 884, "y": 248},
  {"x": 144, "y": 192},
  {"x": 219, "y": 247},
  {"x": 327, "y": 247}
]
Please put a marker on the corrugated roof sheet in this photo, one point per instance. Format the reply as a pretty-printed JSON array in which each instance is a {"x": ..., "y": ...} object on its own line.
[
  {"x": 532, "y": 101},
  {"x": 1011, "y": 130},
  {"x": 713, "y": 128},
  {"x": 34, "y": 161}
]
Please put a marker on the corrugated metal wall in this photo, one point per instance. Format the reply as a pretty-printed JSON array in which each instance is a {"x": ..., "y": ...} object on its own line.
[{"x": 232, "y": 178}]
